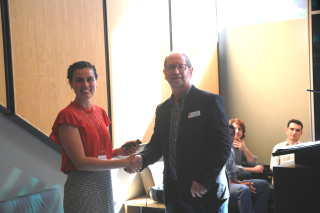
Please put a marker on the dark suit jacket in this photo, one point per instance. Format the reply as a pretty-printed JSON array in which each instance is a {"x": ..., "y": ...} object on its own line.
[{"x": 203, "y": 146}]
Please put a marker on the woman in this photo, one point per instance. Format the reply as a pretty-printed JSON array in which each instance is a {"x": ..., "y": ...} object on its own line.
[{"x": 81, "y": 129}]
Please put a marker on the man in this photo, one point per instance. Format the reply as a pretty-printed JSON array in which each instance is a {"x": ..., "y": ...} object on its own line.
[
  {"x": 191, "y": 133},
  {"x": 242, "y": 192},
  {"x": 246, "y": 163},
  {"x": 294, "y": 131}
]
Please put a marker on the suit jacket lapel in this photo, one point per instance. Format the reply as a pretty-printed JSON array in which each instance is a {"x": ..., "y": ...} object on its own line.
[
  {"x": 191, "y": 99},
  {"x": 166, "y": 123}
]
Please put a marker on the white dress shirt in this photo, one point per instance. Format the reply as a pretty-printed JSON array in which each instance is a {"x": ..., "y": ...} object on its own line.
[{"x": 277, "y": 160}]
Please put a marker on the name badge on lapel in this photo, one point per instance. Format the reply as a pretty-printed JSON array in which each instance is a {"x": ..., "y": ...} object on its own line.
[{"x": 194, "y": 114}]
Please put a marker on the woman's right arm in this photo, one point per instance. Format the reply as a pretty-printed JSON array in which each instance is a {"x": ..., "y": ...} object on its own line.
[{"x": 71, "y": 142}]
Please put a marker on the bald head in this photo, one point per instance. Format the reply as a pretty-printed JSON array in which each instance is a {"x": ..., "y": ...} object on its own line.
[{"x": 187, "y": 60}]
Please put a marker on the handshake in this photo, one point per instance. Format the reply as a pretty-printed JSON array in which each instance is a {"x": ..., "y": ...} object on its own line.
[{"x": 133, "y": 163}]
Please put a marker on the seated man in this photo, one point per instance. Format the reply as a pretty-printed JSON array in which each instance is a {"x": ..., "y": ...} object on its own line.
[
  {"x": 246, "y": 163},
  {"x": 243, "y": 191},
  {"x": 294, "y": 131}
]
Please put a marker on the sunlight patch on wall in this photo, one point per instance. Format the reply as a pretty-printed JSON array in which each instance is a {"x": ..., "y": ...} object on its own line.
[
  {"x": 201, "y": 61},
  {"x": 196, "y": 35},
  {"x": 136, "y": 44}
]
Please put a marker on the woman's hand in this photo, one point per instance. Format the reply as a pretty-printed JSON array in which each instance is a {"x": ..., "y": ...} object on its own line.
[{"x": 128, "y": 151}]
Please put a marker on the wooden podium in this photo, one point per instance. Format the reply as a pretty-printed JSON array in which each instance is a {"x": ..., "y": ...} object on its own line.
[{"x": 297, "y": 184}]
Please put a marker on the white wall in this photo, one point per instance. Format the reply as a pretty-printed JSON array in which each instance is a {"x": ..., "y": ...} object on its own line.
[{"x": 27, "y": 164}]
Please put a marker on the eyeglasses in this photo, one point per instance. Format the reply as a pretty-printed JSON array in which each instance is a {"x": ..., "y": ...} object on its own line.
[{"x": 180, "y": 67}]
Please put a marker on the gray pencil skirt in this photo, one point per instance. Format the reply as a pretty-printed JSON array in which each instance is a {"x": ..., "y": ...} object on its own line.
[{"x": 88, "y": 192}]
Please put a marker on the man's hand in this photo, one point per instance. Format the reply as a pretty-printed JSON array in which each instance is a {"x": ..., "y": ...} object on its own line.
[
  {"x": 258, "y": 169},
  {"x": 239, "y": 143},
  {"x": 197, "y": 189},
  {"x": 134, "y": 160},
  {"x": 250, "y": 185}
]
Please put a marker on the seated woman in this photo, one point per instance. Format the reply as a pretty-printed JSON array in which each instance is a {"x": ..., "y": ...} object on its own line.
[{"x": 246, "y": 163}]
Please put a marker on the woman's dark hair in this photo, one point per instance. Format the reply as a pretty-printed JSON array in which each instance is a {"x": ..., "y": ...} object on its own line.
[{"x": 81, "y": 65}]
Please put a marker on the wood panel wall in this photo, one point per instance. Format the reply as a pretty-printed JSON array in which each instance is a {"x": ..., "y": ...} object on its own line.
[
  {"x": 3, "y": 96},
  {"x": 47, "y": 37}
]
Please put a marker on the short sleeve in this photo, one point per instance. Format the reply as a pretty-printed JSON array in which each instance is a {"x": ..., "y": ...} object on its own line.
[{"x": 65, "y": 116}]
